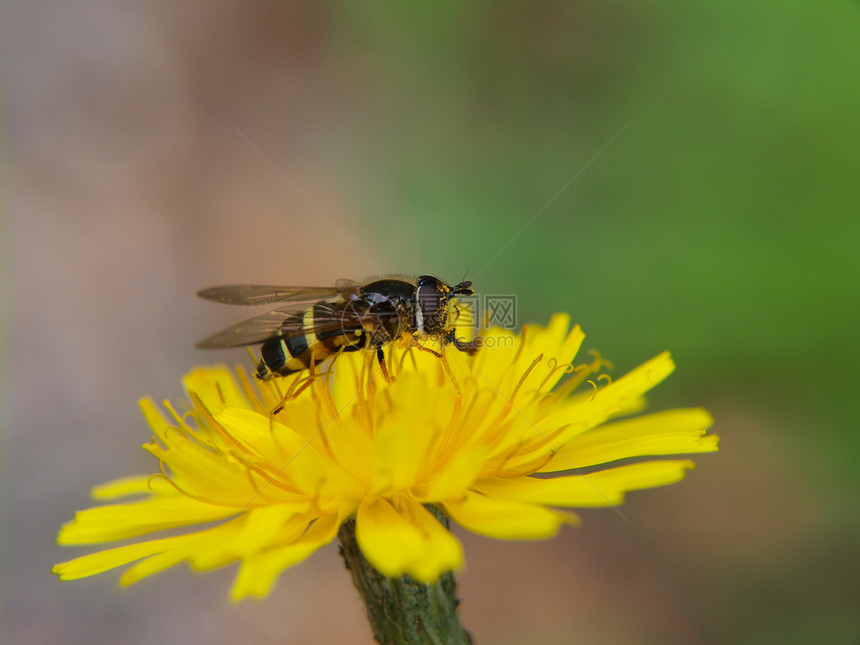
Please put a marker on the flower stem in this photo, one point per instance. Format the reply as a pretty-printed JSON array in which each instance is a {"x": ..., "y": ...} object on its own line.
[{"x": 403, "y": 610}]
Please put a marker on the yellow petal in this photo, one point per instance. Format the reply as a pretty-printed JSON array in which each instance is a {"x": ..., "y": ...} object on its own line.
[
  {"x": 120, "y": 521},
  {"x": 442, "y": 551},
  {"x": 246, "y": 536},
  {"x": 454, "y": 478},
  {"x": 156, "y": 419},
  {"x": 386, "y": 539},
  {"x": 252, "y": 432},
  {"x": 604, "y": 488},
  {"x": 506, "y": 519},
  {"x": 351, "y": 447},
  {"x": 202, "y": 474},
  {"x": 581, "y": 414},
  {"x": 126, "y": 486},
  {"x": 267, "y": 525},
  {"x": 639, "y": 380},
  {"x": 205, "y": 550},
  {"x": 258, "y": 572},
  {"x": 673, "y": 432},
  {"x": 94, "y": 563},
  {"x": 216, "y": 387},
  {"x": 563, "y": 356},
  {"x": 159, "y": 562},
  {"x": 397, "y": 453},
  {"x": 496, "y": 365},
  {"x": 347, "y": 387},
  {"x": 406, "y": 540}
]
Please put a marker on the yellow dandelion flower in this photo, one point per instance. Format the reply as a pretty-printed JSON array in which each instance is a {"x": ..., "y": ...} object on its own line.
[{"x": 465, "y": 436}]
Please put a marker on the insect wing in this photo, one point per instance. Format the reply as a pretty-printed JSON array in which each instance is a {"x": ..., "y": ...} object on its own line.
[
  {"x": 328, "y": 319},
  {"x": 250, "y": 331},
  {"x": 257, "y": 294}
]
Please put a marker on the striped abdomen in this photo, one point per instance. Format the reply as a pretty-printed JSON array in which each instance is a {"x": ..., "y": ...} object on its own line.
[{"x": 309, "y": 337}]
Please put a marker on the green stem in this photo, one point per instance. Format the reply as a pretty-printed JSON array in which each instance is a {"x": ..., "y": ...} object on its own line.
[{"x": 402, "y": 610}]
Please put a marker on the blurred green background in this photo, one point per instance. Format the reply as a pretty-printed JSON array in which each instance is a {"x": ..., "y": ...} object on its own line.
[{"x": 148, "y": 150}]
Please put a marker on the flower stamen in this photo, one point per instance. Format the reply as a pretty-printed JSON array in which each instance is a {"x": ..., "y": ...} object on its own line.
[
  {"x": 509, "y": 402},
  {"x": 179, "y": 489},
  {"x": 215, "y": 429},
  {"x": 582, "y": 372},
  {"x": 458, "y": 392},
  {"x": 247, "y": 389},
  {"x": 567, "y": 367},
  {"x": 406, "y": 353}
]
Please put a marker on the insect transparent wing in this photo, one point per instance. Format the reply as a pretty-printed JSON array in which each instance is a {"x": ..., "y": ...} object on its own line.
[
  {"x": 257, "y": 294},
  {"x": 250, "y": 331},
  {"x": 287, "y": 322}
]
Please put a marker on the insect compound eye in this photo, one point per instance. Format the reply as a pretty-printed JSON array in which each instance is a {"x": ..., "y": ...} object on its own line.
[{"x": 433, "y": 301}]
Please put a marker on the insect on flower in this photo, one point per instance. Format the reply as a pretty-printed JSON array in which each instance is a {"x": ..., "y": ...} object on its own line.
[
  {"x": 319, "y": 322},
  {"x": 505, "y": 450}
]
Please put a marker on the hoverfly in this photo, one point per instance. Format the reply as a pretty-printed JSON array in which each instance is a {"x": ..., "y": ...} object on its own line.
[{"x": 318, "y": 322}]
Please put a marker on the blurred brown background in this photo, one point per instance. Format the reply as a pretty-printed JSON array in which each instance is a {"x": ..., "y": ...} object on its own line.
[{"x": 151, "y": 150}]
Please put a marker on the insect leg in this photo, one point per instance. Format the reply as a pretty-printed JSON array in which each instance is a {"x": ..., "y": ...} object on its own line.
[
  {"x": 421, "y": 348},
  {"x": 380, "y": 356},
  {"x": 300, "y": 384},
  {"x": 469, "y": 347}
]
